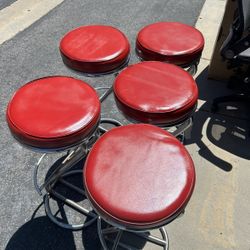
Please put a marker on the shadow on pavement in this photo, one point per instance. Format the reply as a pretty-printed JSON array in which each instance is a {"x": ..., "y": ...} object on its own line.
[
  {"x": 230, "y": 134},
  {"x": 204, "y": 151},
  {"x": 41, "y": 234},
  {"x": 91, "y": 240},
  {"x": 90, "y": 237},
  {"x": 226, "y": 129}
]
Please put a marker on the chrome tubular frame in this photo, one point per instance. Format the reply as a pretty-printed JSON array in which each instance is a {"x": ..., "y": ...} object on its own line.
[
  {"x": 192, "y": 69},
  {"x": 72, "y": 157},
  {"x": 182, "y": 127},
  {"x": 103, "y": 235},
  {"x": 106, "y": 94},
  {"x": 46, "y": 189},
  {"x": 70, "y": 203}
]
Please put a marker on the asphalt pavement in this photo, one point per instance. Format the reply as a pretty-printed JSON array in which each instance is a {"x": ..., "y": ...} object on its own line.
[{"x": 6, "y": 3}]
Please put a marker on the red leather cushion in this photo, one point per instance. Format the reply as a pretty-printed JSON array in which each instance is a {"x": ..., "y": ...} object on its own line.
[
  {"x": 172, "y": 42},
  {"x": 155, "y": 92},
  {"x": 95, "y": 49},
  {"x": 53, "y": 112},
  {"x": 139, "y": 176}
]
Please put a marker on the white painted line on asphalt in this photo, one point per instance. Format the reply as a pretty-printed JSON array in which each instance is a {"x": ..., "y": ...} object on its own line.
[
  {"x": 209, "y": 22},
  {"x": 21, "y": 14}
]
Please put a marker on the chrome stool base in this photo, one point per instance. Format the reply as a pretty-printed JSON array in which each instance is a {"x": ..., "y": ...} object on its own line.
[
  {"x": 103, "y": 236},
  {"x": 63, "y": 170},
  {"x": 179, "y": 130},
  {"x": 70, "y": 203}
]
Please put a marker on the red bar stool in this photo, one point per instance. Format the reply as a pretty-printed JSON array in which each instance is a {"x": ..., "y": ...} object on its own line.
[
  {"x": 157, "y": 93},
  {"x": 138, "y": 177},
  {"x": 56, "y": 114},
  {"x": 171, "y": 42},
  {"x": 95, "y": 50}
]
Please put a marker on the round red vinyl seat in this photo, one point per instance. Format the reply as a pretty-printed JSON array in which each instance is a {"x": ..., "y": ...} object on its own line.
[
  {"x": 156, "y": 93},
  {"x": 95, "y": 49},
  {"x": 53, "y": 112},
  {"x": 171, "y": 42},
  {"x": 139, "y": 176}
]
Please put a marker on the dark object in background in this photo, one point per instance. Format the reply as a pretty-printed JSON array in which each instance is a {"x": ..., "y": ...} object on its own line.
[{"x": 236, "y": 50}]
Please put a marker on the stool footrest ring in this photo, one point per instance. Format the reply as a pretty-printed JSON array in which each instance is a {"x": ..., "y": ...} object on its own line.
[
  {"x": 70, "y": 203},
  {"x": 108, "y": 121},
  {"x": 72, "y": 157},
  {"x": 103, "y": 235}
]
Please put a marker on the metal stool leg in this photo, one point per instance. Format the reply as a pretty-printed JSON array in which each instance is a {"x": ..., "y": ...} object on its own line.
[
  {"x": 99, "y": 230},
  {"x": 164, "y": 242},
  {"x": 153, "y": 239},
  {"x": 108, "y": 91},
  {"x": 108, "y": 121},
  {"x": 35, "y": 175},
  {"x": 179, "y": 130},
  {"x": 192, "y": 69},
  {"x": 69, "y": 203},
  {"x": 72, "y": 157},
  {"x": 183, "y": 127}
]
